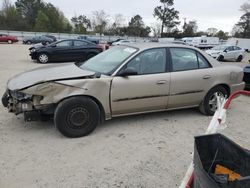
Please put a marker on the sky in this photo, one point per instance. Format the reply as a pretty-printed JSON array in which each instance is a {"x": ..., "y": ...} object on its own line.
[{"x": 221, "y": 14}]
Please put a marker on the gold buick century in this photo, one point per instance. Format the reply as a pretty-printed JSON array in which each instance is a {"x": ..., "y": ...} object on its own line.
[{"x": 124, "y": 80}]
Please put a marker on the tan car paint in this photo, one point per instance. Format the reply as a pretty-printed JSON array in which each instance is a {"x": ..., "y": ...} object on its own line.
[{"x": 135, "y": 94}]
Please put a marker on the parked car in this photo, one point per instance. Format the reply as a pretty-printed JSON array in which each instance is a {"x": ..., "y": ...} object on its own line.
[
  {"x": 117, "y": 40},
  {"x": 225, "y": 52},
  {"x": 52, "y": 37},
  {"x": 65, "y": 51},
  {"x": 7, "y": 38},
  {"x": 93, "y": 40},
  {"x": 123, "y": 80},
  {"x": 37, "y": 39},
  {"x": 122, "y": 42},
  {"x": 247, "y": 77}
]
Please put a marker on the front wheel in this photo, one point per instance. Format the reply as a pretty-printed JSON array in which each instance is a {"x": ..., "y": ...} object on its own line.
[
  {"x": 220, "y": 58},
  {"x": 77, "y": 116},
  {"x": 9, "y": 41},
  {"x": 43, "y": 58},
  {"x": 239, "y": 59},
  {"x": 209, "y": 103}
]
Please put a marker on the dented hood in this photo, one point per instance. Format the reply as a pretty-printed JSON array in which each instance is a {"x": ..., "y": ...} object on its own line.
[{"x": 47, "y": 73}]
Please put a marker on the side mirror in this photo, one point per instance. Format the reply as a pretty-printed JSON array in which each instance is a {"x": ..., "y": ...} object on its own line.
[{"x": 128, "y": 72}]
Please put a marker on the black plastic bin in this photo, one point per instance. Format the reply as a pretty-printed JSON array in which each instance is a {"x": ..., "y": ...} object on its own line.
[{"x": 214, "y": 149}]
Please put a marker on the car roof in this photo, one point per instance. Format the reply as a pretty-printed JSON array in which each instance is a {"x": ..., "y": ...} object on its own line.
[{"x": 148, "y": 45}]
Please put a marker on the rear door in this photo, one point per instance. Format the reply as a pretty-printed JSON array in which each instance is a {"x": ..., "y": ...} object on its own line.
[
  {"x": 147, "y": 91},
  {"x": 80, "y": 50},
  {"x": 191, "y": 76}
]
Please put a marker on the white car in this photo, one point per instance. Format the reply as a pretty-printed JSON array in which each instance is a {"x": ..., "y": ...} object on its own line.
[
  {"x": 121, "y": 42},
  {"x": 225, "y": 52}
]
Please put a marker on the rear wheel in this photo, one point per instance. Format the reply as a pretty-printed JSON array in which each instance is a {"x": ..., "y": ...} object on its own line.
[
  {"x": 28, "y": 42},
  {"x": 209, "y": 103},
  {"x": 43, "y": 58},
  {"x": 239, "y": 59},
  {"x": 9, "y": 41},
  {"x": 77, "y": 116},
  {"x": 47, "y": 42}
]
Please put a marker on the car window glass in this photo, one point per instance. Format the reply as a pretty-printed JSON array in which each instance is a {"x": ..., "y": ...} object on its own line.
[
  {"x": 183, "y": 59},
  {"x": 64, "y": 43},
  {"x": 149, "y": 62},
  {"x": 80, "y": 43},
  {"x": 203, "y": 63},
  {"x": 230, "y": 48}
]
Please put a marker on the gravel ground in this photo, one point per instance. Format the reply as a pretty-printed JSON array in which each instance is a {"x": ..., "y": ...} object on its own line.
[{"x": 151, "y": 150}]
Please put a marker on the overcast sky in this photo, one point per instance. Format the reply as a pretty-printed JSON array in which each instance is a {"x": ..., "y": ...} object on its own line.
[{"x": 221, "y": 14}]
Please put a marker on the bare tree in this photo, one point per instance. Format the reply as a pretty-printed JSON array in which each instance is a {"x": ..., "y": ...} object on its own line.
[
  {"x": 156, "y": 29},
  {"x": 100, "y": 21},
  {"x": 212, "y": 31}
]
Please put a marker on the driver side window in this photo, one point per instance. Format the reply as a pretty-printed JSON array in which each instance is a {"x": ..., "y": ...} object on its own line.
[{"x": 149, "y": 62}]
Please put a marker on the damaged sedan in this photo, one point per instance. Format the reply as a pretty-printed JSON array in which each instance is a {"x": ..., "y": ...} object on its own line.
[{"x": 124, "y": 80}]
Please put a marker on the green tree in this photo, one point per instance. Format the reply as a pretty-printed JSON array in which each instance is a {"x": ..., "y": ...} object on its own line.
[
  {"x": 81, "y": 24},
  {"x": 167, "y": 15},
  {"x": 136, "y": 27},
  {"x": 28, "y": 9},
  {"x": 244, "y": 24},
  {"x": 42, "y": 22},
  {"x": 222, "y": 35},
  {"x": 10, "y": 19},
  {"x": 190, "y": 28}
]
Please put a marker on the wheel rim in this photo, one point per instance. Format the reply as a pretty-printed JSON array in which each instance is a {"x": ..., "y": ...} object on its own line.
[
  {"x": 213, "y": 101},
  {"x": 43, "y": 58},
  {"x": 78, "y": 118},
  {"x": 9, "y": 41}
]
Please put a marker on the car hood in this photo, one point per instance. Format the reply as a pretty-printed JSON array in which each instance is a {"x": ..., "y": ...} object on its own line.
[
  {"x": 47, "y": 73},
  {"x": 212, "y": 51}
]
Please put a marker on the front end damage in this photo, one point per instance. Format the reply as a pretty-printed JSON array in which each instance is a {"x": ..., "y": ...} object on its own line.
[{"x": 18, "y": 102}]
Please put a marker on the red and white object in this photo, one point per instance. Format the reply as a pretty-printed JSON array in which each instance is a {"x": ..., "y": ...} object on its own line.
[{"x": 218, "y": 118}]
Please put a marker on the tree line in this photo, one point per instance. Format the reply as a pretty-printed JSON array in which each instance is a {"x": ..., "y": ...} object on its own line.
[{"x": 37, "y": 15}]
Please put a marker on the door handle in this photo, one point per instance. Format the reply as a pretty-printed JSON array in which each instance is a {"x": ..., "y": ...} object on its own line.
[
  {"x": 207, "y": 77},
  {"x": 161, "y": 82}
]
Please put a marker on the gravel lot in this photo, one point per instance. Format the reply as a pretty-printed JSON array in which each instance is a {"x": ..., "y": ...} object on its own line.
[{"x": 151, "y": 150}]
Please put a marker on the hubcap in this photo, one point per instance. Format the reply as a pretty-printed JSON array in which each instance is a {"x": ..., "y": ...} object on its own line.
[
  {"x": 43, "y": 58},
  {"x": 213, "y": 101},
  {"x": 78, "y": 117}
]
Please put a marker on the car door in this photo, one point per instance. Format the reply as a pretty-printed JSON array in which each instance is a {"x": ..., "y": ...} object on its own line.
[
  {"x": 62, "y": 51},
  {"x": 230, "y": 53},
  {"x": 79, "y": 50},
  {"x": 3, "y": 38},
  {"x": 146, "y": 91},
  {"x": 191, "y": 77}
]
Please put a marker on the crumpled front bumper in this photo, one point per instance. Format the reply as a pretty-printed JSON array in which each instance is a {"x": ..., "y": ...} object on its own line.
[{"x": 16, "y": 105}]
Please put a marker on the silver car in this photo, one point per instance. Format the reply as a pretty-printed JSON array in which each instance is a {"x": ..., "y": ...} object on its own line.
[
  {"x": 124, "y": 80},
  {"x": 228, "y": 53}
]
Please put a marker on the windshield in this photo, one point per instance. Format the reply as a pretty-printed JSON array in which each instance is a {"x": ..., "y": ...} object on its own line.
[
  {"x": 106, "y": 62},
  {"x": 219, "y": 48}
]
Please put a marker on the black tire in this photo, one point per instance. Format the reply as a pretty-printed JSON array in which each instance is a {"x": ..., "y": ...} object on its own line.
[
  {"x": 208, "y": 105},
  {"x": 28, "y": 42},
  {"x": 47, "y": 42},
  {"x": 43, "y": 58},
  {"x": 10, "y": 41},
  {"x": 77, "y": 116},
  {"x": 220, "y": 58},
  {"x": 239, "y": 59}
]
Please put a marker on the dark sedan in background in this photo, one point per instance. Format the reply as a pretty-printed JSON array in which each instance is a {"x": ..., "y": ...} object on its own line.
[
  {"x": 38, "y": 39},
  {"x": 70, "y": 50}
]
